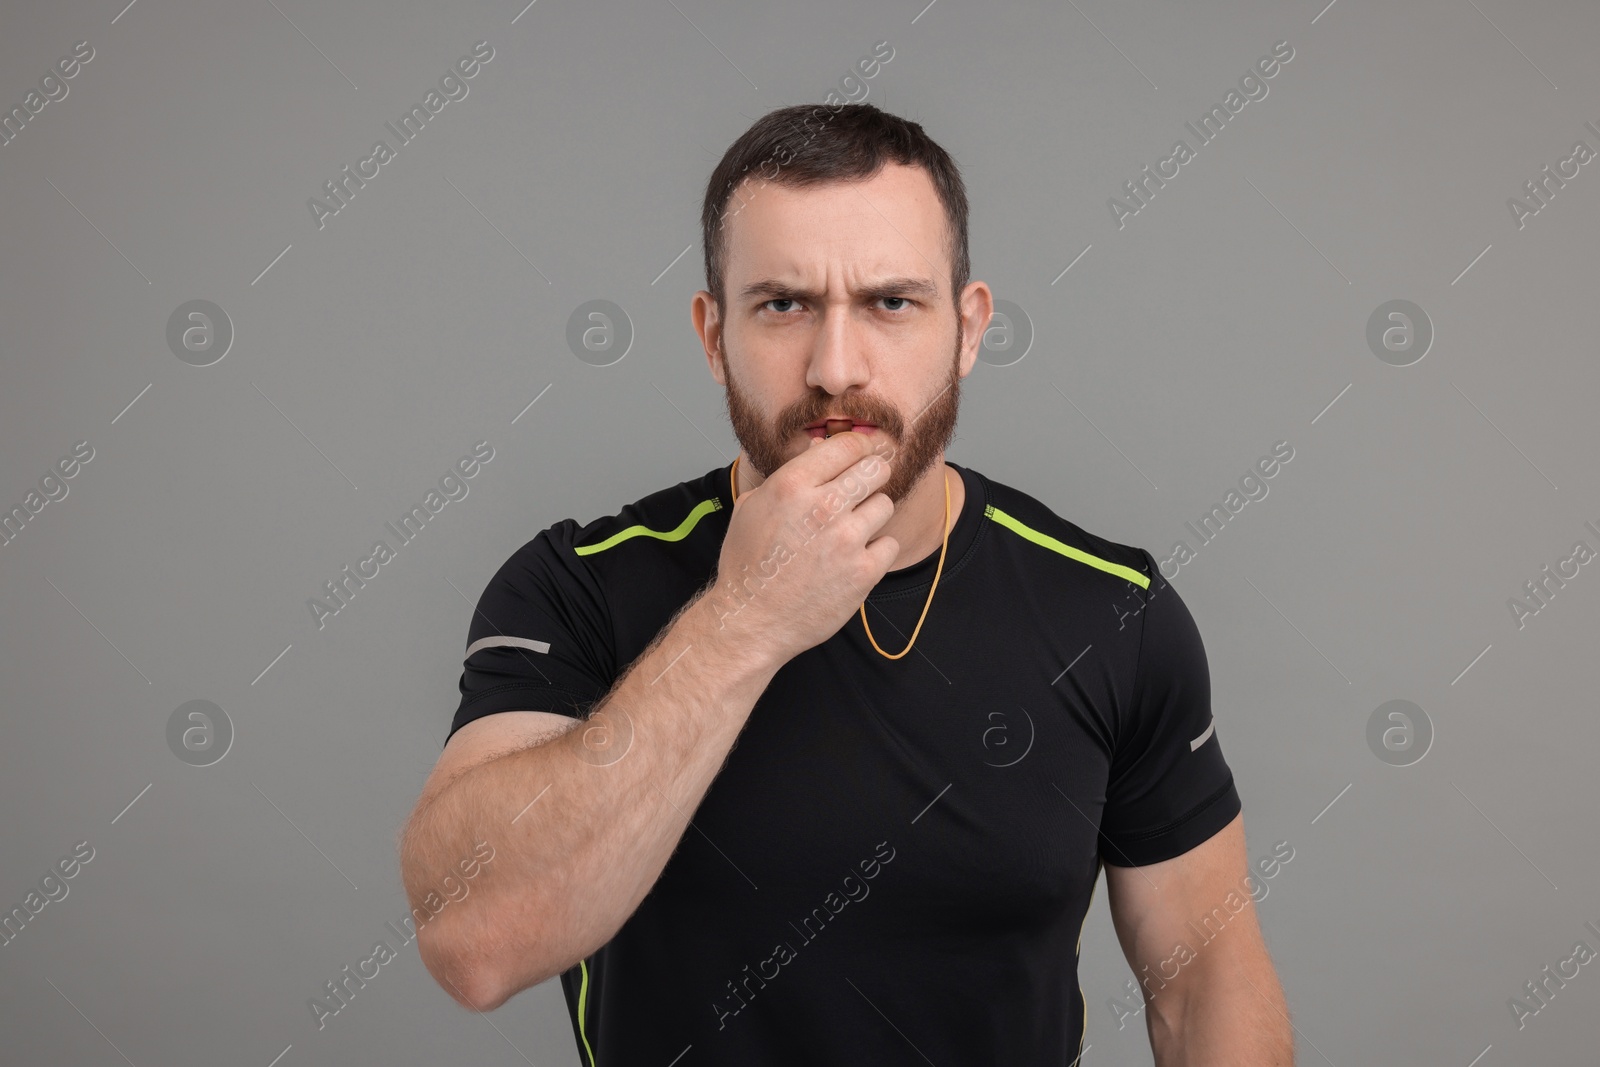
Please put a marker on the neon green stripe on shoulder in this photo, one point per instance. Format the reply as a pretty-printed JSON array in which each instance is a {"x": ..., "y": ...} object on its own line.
[
  {"x": 701, "y": 510},
  {"x": 1053, "y": 545}
]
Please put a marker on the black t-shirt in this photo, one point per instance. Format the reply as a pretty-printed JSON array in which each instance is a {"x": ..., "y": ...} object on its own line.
[{"x": 895, "y": 862}]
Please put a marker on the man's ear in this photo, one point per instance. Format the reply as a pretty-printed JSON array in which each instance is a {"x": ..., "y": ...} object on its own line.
[
  {"x": 707, "y": 319},
  {"x": 977, "y": 308}
]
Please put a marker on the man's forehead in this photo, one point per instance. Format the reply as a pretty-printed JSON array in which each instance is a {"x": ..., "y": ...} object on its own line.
[
  {"x": 891, "y": 225},
  {"x": 852, "y": 278},
  {"x": 804, "y": 265}
]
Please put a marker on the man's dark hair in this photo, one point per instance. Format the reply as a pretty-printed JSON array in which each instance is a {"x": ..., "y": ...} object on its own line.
[{"x": 808, "y": 144}]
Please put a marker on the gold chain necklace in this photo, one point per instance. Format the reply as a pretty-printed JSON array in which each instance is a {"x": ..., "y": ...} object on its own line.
[{"x": 733, "y": 481}]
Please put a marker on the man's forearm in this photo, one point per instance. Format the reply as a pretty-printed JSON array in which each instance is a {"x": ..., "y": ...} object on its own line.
[{"x": 582, "y": 825}]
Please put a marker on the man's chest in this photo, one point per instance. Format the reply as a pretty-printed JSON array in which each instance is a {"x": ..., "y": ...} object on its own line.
[{"x": 981, "y": 759}]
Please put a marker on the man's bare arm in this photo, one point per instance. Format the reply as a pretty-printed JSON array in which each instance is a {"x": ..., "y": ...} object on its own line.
[
  {"x": 1219, "y": 1002},
  {"x": 580, "y": 834},
  {"x": 609, "y": 812}
]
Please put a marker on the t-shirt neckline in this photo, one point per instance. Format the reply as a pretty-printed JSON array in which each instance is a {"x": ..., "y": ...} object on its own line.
[{"x": 918, "y": 577}]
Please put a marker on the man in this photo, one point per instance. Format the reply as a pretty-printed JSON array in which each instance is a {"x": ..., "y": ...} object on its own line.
[{"x": 816, "y": 758}]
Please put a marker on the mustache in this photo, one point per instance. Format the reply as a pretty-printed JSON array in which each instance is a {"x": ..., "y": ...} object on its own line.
[{"x": 884, "y": 419}]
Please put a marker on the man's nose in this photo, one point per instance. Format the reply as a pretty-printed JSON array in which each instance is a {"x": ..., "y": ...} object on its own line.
[{"x": 838, "y": 361}]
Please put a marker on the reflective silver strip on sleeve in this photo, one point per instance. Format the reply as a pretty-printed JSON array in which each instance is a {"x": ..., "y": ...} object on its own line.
[
  {"x": 1197, "y": 742},
  {"x": 514, "y": 642}
]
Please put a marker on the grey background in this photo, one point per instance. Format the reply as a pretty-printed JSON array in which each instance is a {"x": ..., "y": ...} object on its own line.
[{"x": 1227, "y": 315}]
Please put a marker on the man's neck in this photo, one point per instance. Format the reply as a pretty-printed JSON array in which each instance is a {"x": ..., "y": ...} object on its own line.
[{"x": 917, "y": 520}]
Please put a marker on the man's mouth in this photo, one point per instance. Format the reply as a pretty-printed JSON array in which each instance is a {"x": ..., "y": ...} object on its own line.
[{"x": 829, "y": 427}]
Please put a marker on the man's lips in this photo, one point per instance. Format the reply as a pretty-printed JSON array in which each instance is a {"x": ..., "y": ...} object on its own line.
[{"x": 833, "y": 426}]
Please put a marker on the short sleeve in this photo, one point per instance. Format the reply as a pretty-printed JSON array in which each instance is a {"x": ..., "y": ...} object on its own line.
[
  {"x": 540, "y": 638},
  {"x": 1169, "y": 788}
]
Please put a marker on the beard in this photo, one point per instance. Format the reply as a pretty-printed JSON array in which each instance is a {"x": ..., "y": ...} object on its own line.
[{"x": 910, "y": 446}]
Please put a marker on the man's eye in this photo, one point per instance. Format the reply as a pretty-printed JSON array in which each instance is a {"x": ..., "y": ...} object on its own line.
[
  {"x": 901, "y": 299},
  {"x": 779, "y": 300}
]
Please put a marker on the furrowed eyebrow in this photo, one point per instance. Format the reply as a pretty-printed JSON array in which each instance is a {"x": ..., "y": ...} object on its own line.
[{"x": 770, "y": 289}]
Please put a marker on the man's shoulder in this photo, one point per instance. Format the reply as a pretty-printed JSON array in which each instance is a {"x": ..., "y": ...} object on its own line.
[
  {"x": 1058, "y": 541},
  {"x": 665, "y": 518},
  {"x": 678, "y": 518}
]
